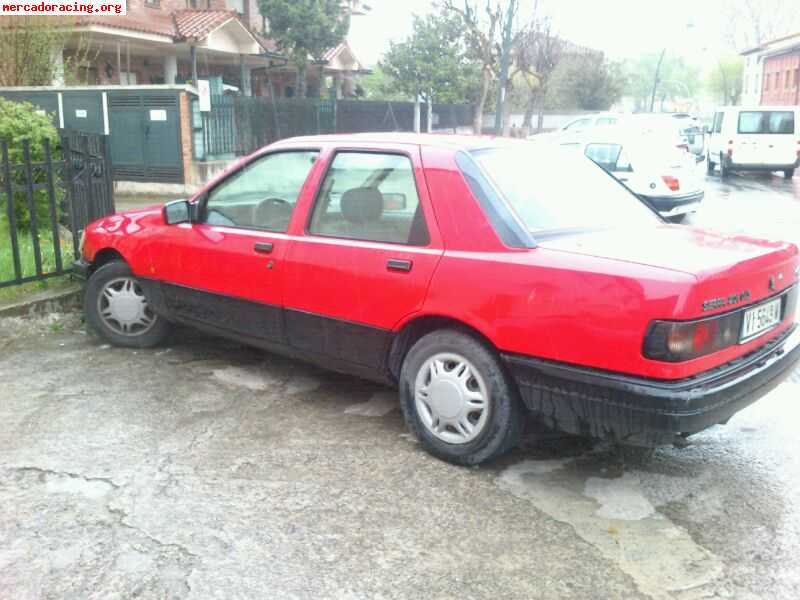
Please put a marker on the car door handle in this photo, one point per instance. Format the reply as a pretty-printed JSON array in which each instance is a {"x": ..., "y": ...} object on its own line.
[
  {"x": 396, "y": 264},
  {"x": 263, "y": 247}
]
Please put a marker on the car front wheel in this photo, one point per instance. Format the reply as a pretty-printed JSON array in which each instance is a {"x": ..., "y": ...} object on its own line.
[
  {"x": 117, "y": 308},
  {"x": 709, "y": 165},
  {"x": 458, "y": 400}
]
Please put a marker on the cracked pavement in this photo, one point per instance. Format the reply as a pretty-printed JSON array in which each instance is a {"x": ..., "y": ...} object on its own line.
[{"x": 204, "y": 469}]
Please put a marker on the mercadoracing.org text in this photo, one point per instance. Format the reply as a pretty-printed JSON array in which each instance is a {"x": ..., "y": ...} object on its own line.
[{"x": 31, "y": 7}]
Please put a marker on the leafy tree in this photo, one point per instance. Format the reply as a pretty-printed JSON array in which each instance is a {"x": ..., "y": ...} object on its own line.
[
  {"x": 306, "y": 29},
  {"x": 586, "y": 81},
  {"x": 725, "y": 80},
  {"x": 676, "y": 79},
  {"x": 379, "y": 85},
  {"x": 539, "y": 53},
  {"x": 20, "y": 121},
  {"x": 27, "y": 46},
  {"x": 433, "y": 62}
]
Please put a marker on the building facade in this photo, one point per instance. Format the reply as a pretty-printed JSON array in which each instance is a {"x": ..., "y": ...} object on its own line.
[
  {"x": 772, "y": 73},
  {"x": 180, "y": 41}
]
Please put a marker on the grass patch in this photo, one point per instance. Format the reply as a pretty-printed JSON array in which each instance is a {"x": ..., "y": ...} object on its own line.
[{"x": 28, "y": 262}]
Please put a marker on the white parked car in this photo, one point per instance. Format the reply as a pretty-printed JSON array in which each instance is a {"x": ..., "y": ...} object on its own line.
[
  {"x": 663, "y": 176},
  {"x": 761, "y": 138},
  {"x": 579, "y": 126}
]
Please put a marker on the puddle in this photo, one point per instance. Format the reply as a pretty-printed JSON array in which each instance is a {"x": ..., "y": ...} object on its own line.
[
  {"x": 620, "y": 520},
  {"x": 380, "y": 404},
  {"x": 254, "y": 379},
  {"x": 64, "y": 484}
]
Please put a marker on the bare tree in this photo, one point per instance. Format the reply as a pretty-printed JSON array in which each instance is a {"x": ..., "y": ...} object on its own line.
[
  {"x": 749, "y": 23},
  {"x": 539, "y": 54},
  {"x": 482, "y": 33}
]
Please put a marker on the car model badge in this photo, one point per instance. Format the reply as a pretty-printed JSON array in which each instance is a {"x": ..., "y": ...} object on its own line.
[{"x": 732, "y": 300}]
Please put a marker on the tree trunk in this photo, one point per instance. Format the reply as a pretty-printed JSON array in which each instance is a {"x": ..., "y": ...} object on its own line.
[
  {"x": 507, "y": 108},
  {"x": 540, "y": 113},
  {"x": 477, "y": 121},
  {"x": 417, "y": 115},
  {"x": 300, "y": 88},
  {"x": 530, "y": 107},
  {"x": 430, "y": 113}
]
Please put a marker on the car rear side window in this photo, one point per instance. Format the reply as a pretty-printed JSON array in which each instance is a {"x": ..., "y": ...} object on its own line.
[
  {"x": 371, "y": 197},
  {"x": 263, "y": 194},
  {"x": 608, "y": 156},
  {"x": 766, "y": 121}
]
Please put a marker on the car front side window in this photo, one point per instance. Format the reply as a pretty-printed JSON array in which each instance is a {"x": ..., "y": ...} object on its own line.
[
  {"x": 370, "y": 197},
  {"x": 263, "y": 194}
]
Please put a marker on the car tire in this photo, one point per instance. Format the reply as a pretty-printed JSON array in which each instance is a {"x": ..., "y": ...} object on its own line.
[
  {"x": 788, "y": 173},
  {"x": 677, "y": 219},
  {"x": 710, "y": 165},
  {"x": 723, "y": 168},
  {"x": 495, "y": 429},
  {"x": 117, "y": 309}
]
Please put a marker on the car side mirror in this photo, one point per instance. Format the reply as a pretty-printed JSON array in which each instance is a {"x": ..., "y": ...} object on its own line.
[
  {"x": 394, "y": 201},
  {"x": 179, "y": 211}
]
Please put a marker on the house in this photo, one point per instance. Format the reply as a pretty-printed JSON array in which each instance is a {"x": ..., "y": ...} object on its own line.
[
  {"x": 772, "y": 73},
  {"x": 177, "y": 41}
]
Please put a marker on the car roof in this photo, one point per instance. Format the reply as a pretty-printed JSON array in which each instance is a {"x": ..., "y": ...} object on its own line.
[{"x": 439, "y": 140}]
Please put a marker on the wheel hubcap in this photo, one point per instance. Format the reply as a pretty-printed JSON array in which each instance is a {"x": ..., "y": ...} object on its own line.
[
  {"x": 123, "y": 307},
  {"x": 451, "y": 398}
]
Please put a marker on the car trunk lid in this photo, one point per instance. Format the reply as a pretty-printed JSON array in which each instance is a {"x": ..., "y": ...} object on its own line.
[{"x": 723, "y": 266}]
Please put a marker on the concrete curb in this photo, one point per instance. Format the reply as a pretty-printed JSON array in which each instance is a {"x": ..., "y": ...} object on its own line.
[{"x": 61, "y": 300}]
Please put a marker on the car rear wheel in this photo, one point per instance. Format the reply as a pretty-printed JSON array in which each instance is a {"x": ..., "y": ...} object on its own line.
[
  {"x": 117, "y": 308},
  {"x": 710, "y": 165},
  {"x": 457, "y": 399},
  {"x": 788, "y": 173}
]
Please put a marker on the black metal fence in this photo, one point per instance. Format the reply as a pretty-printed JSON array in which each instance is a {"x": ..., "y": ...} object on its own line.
[
  {"x": 47, "y": 197},
  {"x": 238, "y": 125}
]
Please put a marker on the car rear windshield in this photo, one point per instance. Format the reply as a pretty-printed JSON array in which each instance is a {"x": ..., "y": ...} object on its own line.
[
  {"x": 550, "y": 188},
  {"x": 766, "y": 121}
]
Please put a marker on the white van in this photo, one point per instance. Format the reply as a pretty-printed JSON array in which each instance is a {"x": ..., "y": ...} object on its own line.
[{"x": 761, "y": 138}]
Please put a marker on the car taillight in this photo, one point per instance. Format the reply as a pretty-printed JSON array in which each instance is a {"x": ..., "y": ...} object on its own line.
[
  {"x": 672, "y": 182},
  {"x": 677, "y": 341},
  {"x": 730, "y": 148}
]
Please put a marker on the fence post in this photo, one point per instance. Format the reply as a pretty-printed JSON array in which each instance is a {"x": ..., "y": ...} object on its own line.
[
  {"x": 12, "y": 219},
  {"x": 34, "y": 221},
  {"x": 51, "y": 199},
  {"x": 66, "y": 151},
  {"x": 108, "y": 174}
]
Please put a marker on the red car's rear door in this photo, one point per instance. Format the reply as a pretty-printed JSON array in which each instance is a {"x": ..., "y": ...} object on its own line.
[
  {"x": 226, "y": 270},
  {"x": 364, "y": 257}
]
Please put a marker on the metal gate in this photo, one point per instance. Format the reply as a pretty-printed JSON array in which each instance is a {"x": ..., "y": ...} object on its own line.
[
  {"x": 48, "y": 196},
  {"x": 146, "y": 136}
]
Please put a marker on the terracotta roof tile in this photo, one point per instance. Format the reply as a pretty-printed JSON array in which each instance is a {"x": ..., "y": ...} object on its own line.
[
  {"x": 197, "y": 24},
  {"x": 157, "y": 23}
]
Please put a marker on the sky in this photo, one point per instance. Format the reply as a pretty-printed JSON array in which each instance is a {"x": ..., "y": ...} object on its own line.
[{"x": 620, "y": 28}]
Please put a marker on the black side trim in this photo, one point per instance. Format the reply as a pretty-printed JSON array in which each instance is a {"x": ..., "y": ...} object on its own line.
[
  {"x": 352, "y": 342},
  {"x": 80, "y": 269}
]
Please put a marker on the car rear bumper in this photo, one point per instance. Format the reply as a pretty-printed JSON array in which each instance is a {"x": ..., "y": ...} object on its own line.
[
  {"x": 671, "y": 206},
  {"x": 650, "y": 412},
  {"x": 734, "y": 166},
  {"x": 80, "y": 269}
]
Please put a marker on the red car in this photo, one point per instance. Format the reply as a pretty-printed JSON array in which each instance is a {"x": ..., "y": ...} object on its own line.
[{"x": 485, "y": 278}]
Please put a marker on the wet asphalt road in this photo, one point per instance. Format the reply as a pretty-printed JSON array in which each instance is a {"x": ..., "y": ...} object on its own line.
[{"x": 206, "y": 470}]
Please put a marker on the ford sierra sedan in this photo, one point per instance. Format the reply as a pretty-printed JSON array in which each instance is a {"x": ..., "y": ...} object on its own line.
[{"x": 486, "y": 279}]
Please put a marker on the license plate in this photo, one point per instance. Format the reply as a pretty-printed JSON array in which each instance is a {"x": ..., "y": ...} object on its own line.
[{"x": 760, "y": 319}]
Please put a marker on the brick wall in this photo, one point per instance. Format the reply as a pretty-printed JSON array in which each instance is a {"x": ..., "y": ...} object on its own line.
[
  {"x": 781, "y": 80},
  {"x": 186, "y": 135}
]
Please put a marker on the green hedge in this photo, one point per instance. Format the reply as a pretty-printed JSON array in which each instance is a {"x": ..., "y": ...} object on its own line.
[{"x": 19, "y": 121}]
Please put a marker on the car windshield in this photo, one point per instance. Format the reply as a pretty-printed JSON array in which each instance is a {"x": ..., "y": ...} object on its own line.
[{"x": 552, "y": 188}]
